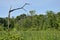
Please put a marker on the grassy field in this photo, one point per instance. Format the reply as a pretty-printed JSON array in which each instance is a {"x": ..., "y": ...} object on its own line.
[{"x": 30, "y": 35}]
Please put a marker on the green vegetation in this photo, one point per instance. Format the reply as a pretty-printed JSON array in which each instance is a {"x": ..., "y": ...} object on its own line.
[
  {"x": 31, "y": 27},
  {"x": 30, "y": 35}
]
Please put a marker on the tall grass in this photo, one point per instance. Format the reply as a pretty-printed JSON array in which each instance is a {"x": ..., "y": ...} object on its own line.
[{"x": 30, "y": 35}]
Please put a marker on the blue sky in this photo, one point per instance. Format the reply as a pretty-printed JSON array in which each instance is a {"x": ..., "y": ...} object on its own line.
[{"x": 41, "y": 6}]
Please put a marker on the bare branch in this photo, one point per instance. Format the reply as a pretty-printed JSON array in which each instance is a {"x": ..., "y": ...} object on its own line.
[
  {"x": 25, "y": 5},
  {"x": 10, "y": 8},
  {"x": 24, "y": 9},
  {"x": 19, "y": 8}
]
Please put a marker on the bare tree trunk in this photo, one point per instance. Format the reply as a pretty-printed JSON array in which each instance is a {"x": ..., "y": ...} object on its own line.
[{"x": 8, "y": 20}]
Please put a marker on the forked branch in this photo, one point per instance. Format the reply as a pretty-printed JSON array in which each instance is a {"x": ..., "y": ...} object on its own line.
[{"x": 19, "y": 8}]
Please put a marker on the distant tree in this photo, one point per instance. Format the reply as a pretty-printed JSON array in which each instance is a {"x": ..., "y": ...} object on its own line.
[
  {"x": 58, "y": 19},
  {"x": 32, "y": 12},
  {"x": 52, "y": 19},
  {"x": 22, "y": 16}
]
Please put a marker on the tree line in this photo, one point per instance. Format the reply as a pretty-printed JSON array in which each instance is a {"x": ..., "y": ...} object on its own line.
[{"x": 50, "y": 20}]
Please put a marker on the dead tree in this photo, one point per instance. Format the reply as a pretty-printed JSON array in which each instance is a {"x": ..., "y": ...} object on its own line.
[{"x": 14, "y": 10}]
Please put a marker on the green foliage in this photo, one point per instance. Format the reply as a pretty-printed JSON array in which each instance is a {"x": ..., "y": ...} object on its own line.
[
  {"x": 50, "y": 20},
  {"x": 31, "y": 27},
  {"x": 30, "y": 35},
  {"x": 22, "y": 16},
  {"x": 9, "y": 35},
  {"x": 1, "y": 28}
]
